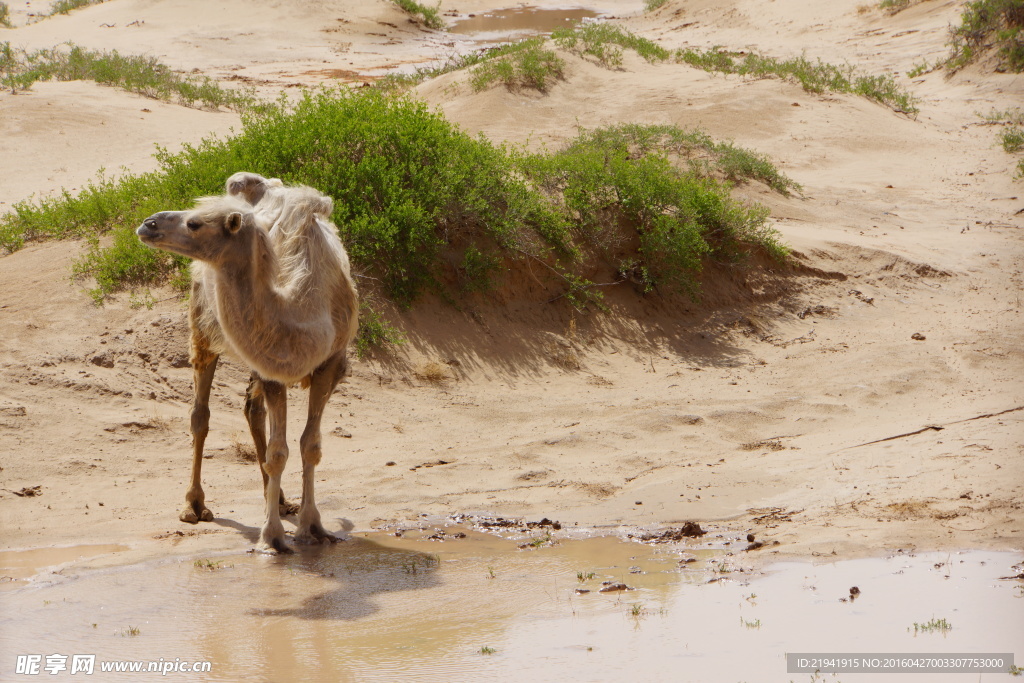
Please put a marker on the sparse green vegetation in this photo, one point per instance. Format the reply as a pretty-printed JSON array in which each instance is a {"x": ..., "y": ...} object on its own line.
[
  {"x": 5, "y": 15},
  {"x": 423, "y": 206},
  {"x": 920, "y": 69},
  {"x": 651, "y": 5},
  {"x": 1012, "y": 139},
  {"x": 1011, "y": 116},
  {"x": 583, "y": 577},
  {"x": 375, "y": 332},
  {"x": 895, "y": 6},
  {"x": 1015, "y": 670},
  {"x": 526, "y": 64},
  {"x": 430, "y": 16},
  {"x": 485, "y": 650},
  {"x": 143, "y": 75},
  {"x": 605, "y": 42},
  {"x": 131, "y": 631},
  {"x": 986, "y": 24},
  {"x": 933, "y": 624},
  {"x": 65, "y": 6},
  {"x": 815, "y": 77}
]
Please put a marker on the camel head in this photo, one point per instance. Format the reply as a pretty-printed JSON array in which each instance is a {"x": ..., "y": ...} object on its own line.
[
  {"x": 250, "y": 186},
  {"x": 210, "y": 232}
]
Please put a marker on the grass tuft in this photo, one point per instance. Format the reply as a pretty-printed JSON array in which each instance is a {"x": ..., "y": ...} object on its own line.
[
  {"x": 1012, "y": 139},
  {"x": 525, "y": 64},
  {"x": 816, "y": 77},
  {"x": 65, "y": 6},
  {"x": 430, "y": 16},
  {"x": 605, "y": 43},
  {"x": 989, "y": 24},
  {"x": 375, "y": 333},
  {"x": 5, "y": 15},
  {"x": 896, "y": 6},
  {"x": 146, "y": 76}
]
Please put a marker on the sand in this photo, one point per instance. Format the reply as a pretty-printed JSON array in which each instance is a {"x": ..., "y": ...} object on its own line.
[{"x": 867, "y": 399}]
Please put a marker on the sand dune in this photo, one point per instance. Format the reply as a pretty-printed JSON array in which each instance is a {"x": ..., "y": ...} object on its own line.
[{"x": 800, "y": 405}]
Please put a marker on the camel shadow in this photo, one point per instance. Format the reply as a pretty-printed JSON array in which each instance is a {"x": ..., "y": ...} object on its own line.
[
  {"x": 363, "y": 569},
  {"x": 252, "y": 533}
]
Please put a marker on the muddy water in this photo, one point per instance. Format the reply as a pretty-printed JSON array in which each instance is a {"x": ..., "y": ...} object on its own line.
[
  {"x": 20, "y": 565},
  {"x": 377, "y": 607},
  {"x": 517, "y": 22}
]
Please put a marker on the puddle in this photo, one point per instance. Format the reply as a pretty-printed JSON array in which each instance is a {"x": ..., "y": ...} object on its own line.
[
  {"x": 518, "y": 22},
  {"x": 521, "y": 19},
  {"x": 377, "y": 607},
  {"x": 18, "y": 565}
]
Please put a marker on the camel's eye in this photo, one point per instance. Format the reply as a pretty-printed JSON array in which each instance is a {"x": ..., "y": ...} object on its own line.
[{"x": 193, "y": 225}]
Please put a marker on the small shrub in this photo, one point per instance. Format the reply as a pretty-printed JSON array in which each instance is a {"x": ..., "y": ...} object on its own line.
[
  {"x": 605, "y": 42},
  {"x": 375, "y": 332},
  {"x": 987, "y": 24},
  {"x": 526, "y": 64},
  {"x": 920, "y": 69},
  {"x": 1012, "y": 139},
  {"x": 651, "y": 5},
  {"x": 5, "y": 15},
  {"x": 430, "y": 15}
]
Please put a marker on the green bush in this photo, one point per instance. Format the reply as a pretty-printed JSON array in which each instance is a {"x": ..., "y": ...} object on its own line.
[
  {"x": 621, "y": 178},
  {"x": 5, "y": 15},
  {"x": 526, "y": 64},
  {"x": 985, "y": 23},
  {"x": 1012, "y": 139},
  {"x": 421, "y": 205}
]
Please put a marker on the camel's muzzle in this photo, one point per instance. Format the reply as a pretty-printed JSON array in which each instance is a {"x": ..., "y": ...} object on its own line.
[{"x": 148, "y": 231}]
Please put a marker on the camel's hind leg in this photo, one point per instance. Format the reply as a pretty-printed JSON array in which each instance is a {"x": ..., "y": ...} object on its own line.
[
  {"x": 323, "y": 381},
  {"x": 256, "y": 416},
  {"x": 204, "y": 364},
  {"x": 272, "y": 534}
]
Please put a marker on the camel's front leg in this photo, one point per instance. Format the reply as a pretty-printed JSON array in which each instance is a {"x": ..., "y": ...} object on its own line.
[
  {"x": 256, "y": 416},
  {"x": 325, "y": 378},
  {"x": 204, "y": 364},
  {"x": 272, "y": 534}
]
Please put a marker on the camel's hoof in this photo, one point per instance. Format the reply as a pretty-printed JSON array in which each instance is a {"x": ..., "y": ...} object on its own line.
[
  {"x": 190, "y": 515},
  {"x": 286, "y": 508},
  {"x": 274, "y": 546}
]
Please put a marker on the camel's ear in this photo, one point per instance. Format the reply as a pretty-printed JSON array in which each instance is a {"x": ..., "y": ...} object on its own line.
[{"x": 233, "y": 222}]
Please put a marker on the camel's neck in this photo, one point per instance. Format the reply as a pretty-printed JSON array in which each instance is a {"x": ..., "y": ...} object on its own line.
[{"x": 264, "y": 324}]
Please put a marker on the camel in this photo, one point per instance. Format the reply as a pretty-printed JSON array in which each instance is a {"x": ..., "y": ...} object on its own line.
[{"x": 281, "y": 298}]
